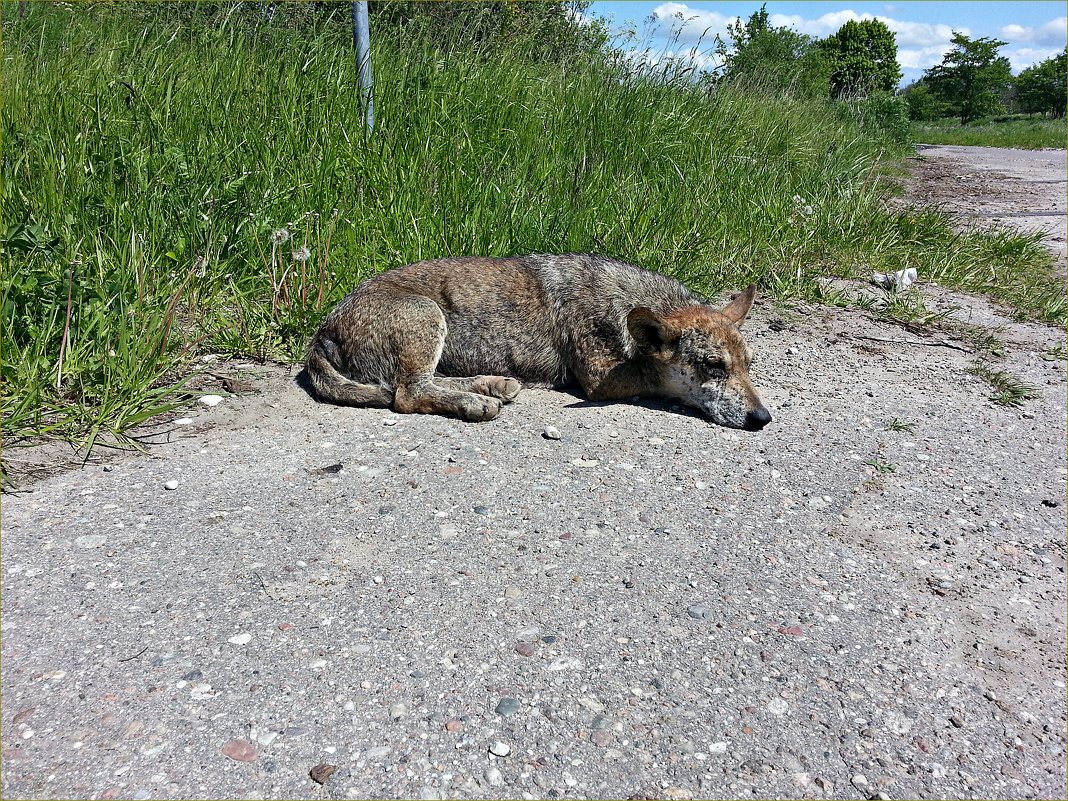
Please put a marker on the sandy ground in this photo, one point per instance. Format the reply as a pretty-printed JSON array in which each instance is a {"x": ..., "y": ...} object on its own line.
[{"x": 865, "y": 600}]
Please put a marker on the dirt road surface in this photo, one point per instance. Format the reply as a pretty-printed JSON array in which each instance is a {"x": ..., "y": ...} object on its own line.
[
  {"x": 1021, "y": 189},
  {"x": 865, "y": 600}
]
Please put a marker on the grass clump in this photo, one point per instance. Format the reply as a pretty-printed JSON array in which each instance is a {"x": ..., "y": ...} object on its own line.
[
  {"x": 1025, "y": 133},
  {"x": 152, "y": 163},
  {"x": 1008, "y": 389}
]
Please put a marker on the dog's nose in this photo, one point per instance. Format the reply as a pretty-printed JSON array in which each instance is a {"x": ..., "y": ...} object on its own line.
[{"x": 757, "y": 419}]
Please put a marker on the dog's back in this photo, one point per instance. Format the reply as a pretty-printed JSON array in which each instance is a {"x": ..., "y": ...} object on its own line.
[{"x": 528, "y": 317}]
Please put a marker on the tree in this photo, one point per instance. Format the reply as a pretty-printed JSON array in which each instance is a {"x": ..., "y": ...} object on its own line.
[
  {"x": 922, "y": 102},
  {"x": 971, "y": 77},
  {"x": 863, "y": 59},
  {"x": 1044, "y": 87},
  {"x": 776, "y": 58}
]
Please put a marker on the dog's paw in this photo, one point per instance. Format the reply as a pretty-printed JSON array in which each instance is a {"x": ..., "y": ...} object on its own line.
[
  {"x": 497, "y": 386},
  {"x": 477, "y": 408}
]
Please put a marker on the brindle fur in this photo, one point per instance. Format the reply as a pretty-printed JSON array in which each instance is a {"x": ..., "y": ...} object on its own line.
[{"x": 456, "y": 336}]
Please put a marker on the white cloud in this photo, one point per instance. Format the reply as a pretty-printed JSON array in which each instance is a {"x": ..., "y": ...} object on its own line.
[
  {"x": 1052, "y": 33},
  {"x": 692, "y": 24},
  {"x": 908, "y": 34},
  {"x": 1023, "y": 57}
]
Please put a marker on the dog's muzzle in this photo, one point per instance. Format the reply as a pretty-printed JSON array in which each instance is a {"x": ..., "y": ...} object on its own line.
[{"x": 757, "y": 419}]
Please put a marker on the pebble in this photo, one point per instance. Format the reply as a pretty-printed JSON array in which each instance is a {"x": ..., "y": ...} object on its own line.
[
  {"x": 697, "y": 612},
  {"x": 377, "y": 751},
  {"x": 90, "y": 540},
  {"x": 184, "y": 421},
  {"x": 494, "y": 777},
  {"x": 322, "y": 772},
  {"x": 171, "y": 485},
  {"x": 551, "y": 432},
  {"x": 500, "y": 749},
  {"x": 397, "y": 711},
  {"x": 565, "y": 663},
  {"x": 211, "y": 400},
  {"x": 859, "y": 781},
  {"x": 241, "y": 639},
  {"x": 778, "y": 707},
  {"x": 524, "y": 649},
  {"x": 585, "y": 462},
  {"x": 240, "y": 750},
  {"x": 507, "y": 706}
]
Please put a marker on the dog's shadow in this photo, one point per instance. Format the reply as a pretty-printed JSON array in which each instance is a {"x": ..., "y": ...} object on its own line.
[
  {"x": 303, "y": 380},
  {"x": 652, "y": 404}
]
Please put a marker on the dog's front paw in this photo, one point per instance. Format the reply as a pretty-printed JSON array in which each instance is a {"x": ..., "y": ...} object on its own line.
[{"x": 479, "y": 408}]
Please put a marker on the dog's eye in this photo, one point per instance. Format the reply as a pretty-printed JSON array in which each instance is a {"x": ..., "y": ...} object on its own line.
[{"x": 716, "y": 368}]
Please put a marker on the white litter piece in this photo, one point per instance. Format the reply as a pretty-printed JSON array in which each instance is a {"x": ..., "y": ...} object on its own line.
[{"x": 895, "y": 282}]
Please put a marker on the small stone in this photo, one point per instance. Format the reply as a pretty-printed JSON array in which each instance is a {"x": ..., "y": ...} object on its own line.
[
  {"x": 551, "y": 432},
  {"x": 524, "y": 649},
  {"x": 211, "y": 400},
  {"x": 322, "y": 772},
  {"x": 565, "y": 663},
  {"x": 506, "y": 707},
  {"x": 512, "y": 592},
  {"x": 183, "y": 421},
  {"x": 494, "y": 777},
  {"x": 391, "y": 421},
  {"x": 778, "y": 707},
  {"x": 240, "y": 751},
  {"x": 454, "y": 726},
  {"x": 90, "y": 540},
  {"x": 601, "y": 738},
  {"x": 585, "y": 462},
  {"x": 241, "y": 639},
  {"x": 397, "y": 711},
  {"x": 500, "y": 749},
  {"x": 859, "y": 781},
  {"x": 377, "y": 751},
  {"x": 171, "y": 485},
  {"x": 956, "y": 721},
  {"x": 697, "y": 612},
  {"x": 265, "y": 738}
]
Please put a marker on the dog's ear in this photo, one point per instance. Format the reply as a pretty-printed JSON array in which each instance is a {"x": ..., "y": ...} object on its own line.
[
  {"x": 739, "y": 307},
  {"x": 649, "y": 330}
]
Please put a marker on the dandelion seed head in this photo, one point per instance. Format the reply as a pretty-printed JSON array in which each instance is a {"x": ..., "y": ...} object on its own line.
[
  {"x": 301, "y": 254},
  {"x": 280, "y": 235}
]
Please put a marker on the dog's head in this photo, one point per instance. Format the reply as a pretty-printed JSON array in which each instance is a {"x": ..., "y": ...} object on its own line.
[{"x": 703, "y": 360}]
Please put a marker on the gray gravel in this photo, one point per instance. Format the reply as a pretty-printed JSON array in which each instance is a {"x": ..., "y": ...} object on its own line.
[{"x": 473, "y": 610}]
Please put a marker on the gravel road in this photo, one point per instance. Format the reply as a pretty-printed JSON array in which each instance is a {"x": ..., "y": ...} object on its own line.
[
  {"x": 1021, "y": 189},
  {"x": 865, "y": 600}
]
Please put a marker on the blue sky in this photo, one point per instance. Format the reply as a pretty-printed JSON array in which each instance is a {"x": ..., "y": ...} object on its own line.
[{"x": 1034, "y": 31}]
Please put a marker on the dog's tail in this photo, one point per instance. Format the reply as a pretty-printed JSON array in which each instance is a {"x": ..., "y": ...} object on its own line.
[{"x": 331, "y": 386}]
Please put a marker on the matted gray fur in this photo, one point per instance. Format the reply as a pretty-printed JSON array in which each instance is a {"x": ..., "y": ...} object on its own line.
[{"x": 457, "y": 336}]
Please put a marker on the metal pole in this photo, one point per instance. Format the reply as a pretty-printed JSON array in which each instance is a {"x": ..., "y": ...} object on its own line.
[{"x": 361, "y": 40}]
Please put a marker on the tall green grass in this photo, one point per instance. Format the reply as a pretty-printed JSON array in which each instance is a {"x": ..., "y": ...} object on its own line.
[{"x": 164, "y": 176}]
